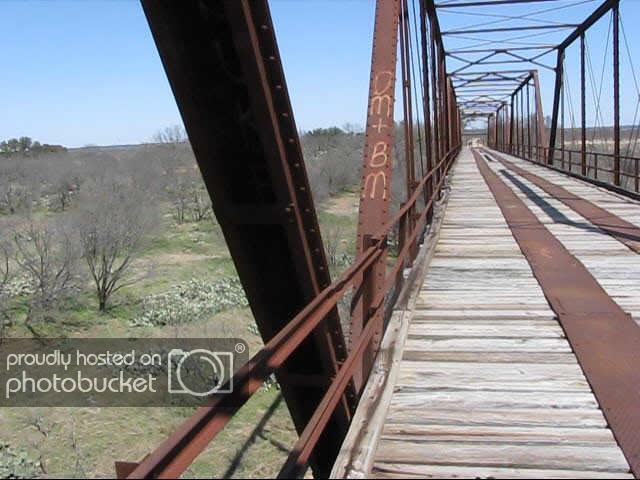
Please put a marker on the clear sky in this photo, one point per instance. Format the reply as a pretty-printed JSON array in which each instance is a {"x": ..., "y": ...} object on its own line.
[{"x": 87, "y": 72}]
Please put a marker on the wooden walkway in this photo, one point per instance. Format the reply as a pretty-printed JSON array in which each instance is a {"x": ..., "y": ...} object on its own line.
[{"x": 482, "y": 381}]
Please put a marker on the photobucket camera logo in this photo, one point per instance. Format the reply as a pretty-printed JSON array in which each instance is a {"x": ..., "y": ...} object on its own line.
[{"x": 199, "y": 372}]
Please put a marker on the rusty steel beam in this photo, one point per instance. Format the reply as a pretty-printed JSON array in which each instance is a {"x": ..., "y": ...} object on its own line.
[
  {"x": 562, "y": 130},
  {"x": 375, "y": 191},
  {"x": 542, "y": 131},
  {"x": 521, "y": 112},
  {"x": 509, "y": 29},
  {"x": 616, "y": 93},
  {"x": 488, "y": 3},
  {"x": 583, "y": 107},
  {"x": 528, "y": 120},
  {"x": 471, "y": 63},
  {"x": 434, "y": 80},
  {"x": 223, "y": 65},
  {"x": 556, "y": 104},
  {"x": 502, "y": 50},
  {"x": 426, "y": 100},
  {"x": 409, "y": 143},
  {"x": 512, "y": 123},
  {"x": 593, "y": 18},
  {"x": 444, "y": 102},
  {"x": 605, "y": 339},
  {"x": 493, "y": 72}
]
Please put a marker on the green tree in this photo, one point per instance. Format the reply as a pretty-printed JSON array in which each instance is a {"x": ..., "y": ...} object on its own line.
[{"x": 24, "y": 144}]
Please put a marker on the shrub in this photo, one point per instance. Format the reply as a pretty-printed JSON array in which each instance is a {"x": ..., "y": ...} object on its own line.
[
  {"x": 191, "y": 301},
  {"x": 16, "y": 463}
]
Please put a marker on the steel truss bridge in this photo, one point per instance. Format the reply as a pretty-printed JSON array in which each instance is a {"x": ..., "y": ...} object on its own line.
[{"x": 503, "y": 339}]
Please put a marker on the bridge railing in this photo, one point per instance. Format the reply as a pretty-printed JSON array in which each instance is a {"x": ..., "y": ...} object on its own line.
[
  {"x": 590, "y": 165},
  {"x": 174, "y": 456}
]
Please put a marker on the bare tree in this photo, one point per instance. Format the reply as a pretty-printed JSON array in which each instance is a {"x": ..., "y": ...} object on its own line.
[
  {"x": 112, "y": 225},
  {"x": 63, "y": 181},
  {"x": 46, "y": 253},
  {"x": 172, "y": 134},
  {"x": 4, "y": 267},
  {"x": 20, "y": 181},
  {"x": 146, "y": 171},
  {"x": 4, "y": 282},
  {"x": 14, "y": 197},
  {"x": 180, "y": 195},
  {"x": 172, "y": 152},
  {"x": 189, "y": 196},
  {"x": 332, "y": 236},
  {"x": 201, "y": 204},
  {"x": 333, "y": 158}
]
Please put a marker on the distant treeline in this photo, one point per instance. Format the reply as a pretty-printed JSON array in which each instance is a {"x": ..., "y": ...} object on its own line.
[{"x": 26, "y": 146}]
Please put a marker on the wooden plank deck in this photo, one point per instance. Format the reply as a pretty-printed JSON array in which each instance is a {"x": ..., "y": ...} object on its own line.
[{"x": 485, "y": 384}]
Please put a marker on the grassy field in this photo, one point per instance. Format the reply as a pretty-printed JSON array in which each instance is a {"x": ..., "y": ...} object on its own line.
[{"x": 85, "y": 442}]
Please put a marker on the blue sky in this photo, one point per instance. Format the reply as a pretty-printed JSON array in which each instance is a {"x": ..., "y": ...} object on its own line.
[{"x": 87, "y": 72}]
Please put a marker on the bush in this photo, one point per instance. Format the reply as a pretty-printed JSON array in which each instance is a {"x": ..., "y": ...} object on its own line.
[
  {"x": 191, "y": 301},
  {"x": 16, "y": 464},
  {"x": 19, "y": 286}
]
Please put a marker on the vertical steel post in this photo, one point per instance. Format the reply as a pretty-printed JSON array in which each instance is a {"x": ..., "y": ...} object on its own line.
[
  {"x": 517, "y": 130},
  {"x": 451, "y": 116},
  {"x": 537, "y": 135},
  {"x": 375, "y": 194},
  {"x": 521, "y": 93},
  {"x": 405, "y": 62},
  {"x": 426, "y": 104},
  {"x": 528, "y": 121},
  {"x": 450, "y": 110},
  {"x": 512, "y": 124},
  {"x": 505, "y": 123},
  {"x": 518, "y": 122},
  {"x": 583, "y": 108},
  {"x": 509, "y": 125},
  {"x": 542, "y": 131},
  {"x": 616, "y": 94},
  {"x": 434, "y": 93},
  {"x": 498, "y": 121},
  {"x": 556, "y": 102},
  {"x": 444, "y": 101},
  {"x": 497, "y": 125},
  {"x": 562, "y": 133}
]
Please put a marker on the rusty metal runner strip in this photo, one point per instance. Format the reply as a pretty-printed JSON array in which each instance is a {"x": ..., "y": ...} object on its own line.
[
  {"x": 605, "y": 339},
  {"x": 623, "y": 231}
]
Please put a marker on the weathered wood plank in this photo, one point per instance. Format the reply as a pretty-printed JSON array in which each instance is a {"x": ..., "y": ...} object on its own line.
[
  {"x": 496, "y": 376},
  {"x": 556, "y": 345},
  {"x": 505, "y": 329},
  {"x": 601, "y": 458},
  {"x": 492, "y": 434},
  {"x": 500, "y": 412},
  {"x": 489, "y": 357},
  {"x": 407, "y": 470}
]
